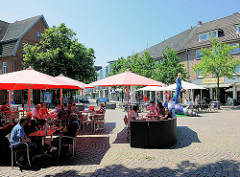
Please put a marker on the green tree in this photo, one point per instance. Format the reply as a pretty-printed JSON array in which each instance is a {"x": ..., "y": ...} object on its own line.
[
  {"x": 143, "y": 65},
  {"x": 118, "y": 67},
  {"x": 168, "y": 68},
  {"x": 217, "y": 61},
  {"x": 59, "y": 52}
]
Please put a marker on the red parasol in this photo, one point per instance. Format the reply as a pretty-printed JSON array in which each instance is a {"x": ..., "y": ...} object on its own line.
[
  {"x": 125, "y": 79},
  {"x": 31, "y": 79},
  {"x": 63, "y": 78}
]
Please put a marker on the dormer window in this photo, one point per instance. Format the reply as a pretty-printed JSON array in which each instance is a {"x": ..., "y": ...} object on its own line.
[
  {"x": 37, "y": 34},
  {"x": 238, "y": 29},
  {"x": 206, "y": 36}
]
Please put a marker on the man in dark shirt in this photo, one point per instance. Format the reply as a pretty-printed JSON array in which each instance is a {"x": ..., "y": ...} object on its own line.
[{"x": 69, "y": 131}]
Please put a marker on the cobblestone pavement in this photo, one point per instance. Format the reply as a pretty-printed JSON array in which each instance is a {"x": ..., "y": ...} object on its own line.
[{"x": 206, "y": 146}]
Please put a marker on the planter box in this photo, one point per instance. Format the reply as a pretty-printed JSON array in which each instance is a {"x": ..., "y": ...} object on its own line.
[
  {"x": 153, "y": 134},
  {"x": 110, "y": 105},
  {"x": 80, "y": 107}
]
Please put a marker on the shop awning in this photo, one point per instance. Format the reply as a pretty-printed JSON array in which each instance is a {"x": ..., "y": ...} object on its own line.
[{"x": 215, "y": 85}]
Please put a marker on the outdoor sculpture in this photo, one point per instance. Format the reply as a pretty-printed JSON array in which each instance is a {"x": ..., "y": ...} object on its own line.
[
  {"x": 179, "y": 109},
  {"x": 179, "y": 88}
]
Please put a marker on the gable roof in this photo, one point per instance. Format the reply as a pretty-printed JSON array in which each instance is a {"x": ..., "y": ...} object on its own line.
[
  {"x": 18, "y": 28},
  {"x": 3, "y": 28},
  {"x": 11, "y": 34},
  {"x": 189, "y": 39},
  {"x": 226, "y": 25},
  {"x": 177, "y": 42},
  {"x": 7, "y": 48}
]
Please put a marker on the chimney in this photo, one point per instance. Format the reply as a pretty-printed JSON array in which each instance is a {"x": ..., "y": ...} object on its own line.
[{"x": 199, "y": 23}]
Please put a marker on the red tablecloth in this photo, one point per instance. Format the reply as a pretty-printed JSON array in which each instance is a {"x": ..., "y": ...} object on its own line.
[{"x": 43, "y": 133}]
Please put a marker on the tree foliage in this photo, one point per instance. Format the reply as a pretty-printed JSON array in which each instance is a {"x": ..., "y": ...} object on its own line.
[
  {"x": 142, "y": 65},
  {"x": 168, "y": 68},
  {"x": 218, "y": 61},
  {"x": 59, "y": 52},
  {"x": 164, "y": 71}
]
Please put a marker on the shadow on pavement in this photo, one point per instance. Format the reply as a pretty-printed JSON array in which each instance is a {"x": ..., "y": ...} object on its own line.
[
  {"x": 90, "y": 151},
  {"x": 122, "y": 137},
  {"x": 185, "y": 168},
  {"x": 108, "y": 127},
  {"x": 185, "y": 137}
]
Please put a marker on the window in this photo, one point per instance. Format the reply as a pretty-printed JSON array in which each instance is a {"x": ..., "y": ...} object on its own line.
[
  {"x": 199, "y": 73},
  {"x": 238, "y": 29},
  {"x": 4, "y": 68},
  {"x": 23, "y": 46},
  {"x": 237, "y": 70},
  {"x": 236, "y": 50},
  {"x": 37, "y": 34},
  {"x": 206, "y": 36},
  {"x": 198, "y": 54}
]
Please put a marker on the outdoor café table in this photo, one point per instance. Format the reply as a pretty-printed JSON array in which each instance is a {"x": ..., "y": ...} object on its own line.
[
  {"x": 152, "y": 116},
  {"x": 51, "y": 117},
  {"x": 43, "y": 134}
]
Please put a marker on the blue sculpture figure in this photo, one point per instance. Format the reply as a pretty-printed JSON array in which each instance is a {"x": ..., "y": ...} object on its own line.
[{"x": 178, "y": 89}]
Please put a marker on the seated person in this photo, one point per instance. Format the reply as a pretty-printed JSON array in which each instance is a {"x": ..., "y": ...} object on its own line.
[
  {"x": 160, "y": 109},
  {"x": 152, "y": 108},
  {"x": 18, "y": 135},
  {"x": 74, "y": 109},
  {"x": 57, "y": 109},
  {"x": 43, "y": 110},
  {"x": 190, "y": 104},
  {"x": 37, "y": 116},
  {"x": 133, "y": 114},
  {"x": 69, "y": 110},
  {"x": 5, "y": 107},
  {"x": 102, "y": 108},
  {"x": 69, "y": 131},
  {"x": 31, "y": 126},
  {"x": 61, "y": 111},
  {"x": 167, "y": 114}
]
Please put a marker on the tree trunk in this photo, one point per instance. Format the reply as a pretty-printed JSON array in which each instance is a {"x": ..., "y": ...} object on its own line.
[{"x": 218, "y": 92}]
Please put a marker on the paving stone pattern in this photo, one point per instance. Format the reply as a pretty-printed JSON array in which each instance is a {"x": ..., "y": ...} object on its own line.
[{"x": 206, "y": 146}]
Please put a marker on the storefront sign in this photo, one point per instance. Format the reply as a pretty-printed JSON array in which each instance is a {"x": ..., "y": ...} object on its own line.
[{"x": 212, "y": 81}]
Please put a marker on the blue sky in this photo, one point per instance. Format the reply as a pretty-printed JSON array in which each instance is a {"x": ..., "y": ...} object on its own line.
[{"x": 115, "y": 28}]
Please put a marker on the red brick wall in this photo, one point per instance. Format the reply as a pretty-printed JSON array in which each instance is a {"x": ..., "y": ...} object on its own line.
[{"x": 29, "y": 38}]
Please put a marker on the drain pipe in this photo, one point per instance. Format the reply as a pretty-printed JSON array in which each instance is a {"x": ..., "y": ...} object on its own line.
[{"x": 188, "y": 64}]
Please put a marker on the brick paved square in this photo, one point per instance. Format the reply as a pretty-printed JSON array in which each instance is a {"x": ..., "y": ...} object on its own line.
[{"x": 206, "y": 146}]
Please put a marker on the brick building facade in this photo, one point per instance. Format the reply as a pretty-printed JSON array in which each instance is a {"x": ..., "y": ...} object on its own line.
[
  {"x": 13, "y": 36},
  {"x": 188, "y": 45}
]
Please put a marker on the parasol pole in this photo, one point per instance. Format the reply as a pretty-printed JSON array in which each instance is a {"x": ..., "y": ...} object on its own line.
[
  {"x": 128, "y": 100},
  {"x": 9, "y": 98},
  {"x": 29, "y": 98},
  {"x": 61, "y": 96}
]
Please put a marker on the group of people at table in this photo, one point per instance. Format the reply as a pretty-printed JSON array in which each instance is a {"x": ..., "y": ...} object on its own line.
[
  {"x": 155, "y": 112},
  {"x": 35, "y": 121}
]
